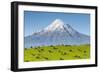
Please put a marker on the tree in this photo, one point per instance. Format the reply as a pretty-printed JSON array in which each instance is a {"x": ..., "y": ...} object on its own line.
[
  {"x": 51, "y": 45},
  {"x": 31, "y": 47}
]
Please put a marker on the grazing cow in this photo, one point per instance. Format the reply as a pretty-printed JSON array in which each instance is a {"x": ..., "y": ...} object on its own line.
[
  {"x": 37, "y": 57},
  {"x": 77, "y": 56},
  {"x": 46, "y": 58},
  {"x": 33, "y": 54},
  {"x": 64, "y": 53},
  {"x": 61, "y": 59},
  {"x": 79, "y": 50},
  {"x": 84, "y": 51},
  {"x": 39, "y": 51},
  {"x": 26, "y": 61},
  {"x": 70, "y": 50},
  {"x": 42, "y": 49},
  {"x": 50, "y": 51},
  {"x": 55, "y": 48}
]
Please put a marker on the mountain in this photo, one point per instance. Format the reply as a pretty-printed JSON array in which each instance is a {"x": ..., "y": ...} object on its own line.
[{"x": 57, "y": 33}]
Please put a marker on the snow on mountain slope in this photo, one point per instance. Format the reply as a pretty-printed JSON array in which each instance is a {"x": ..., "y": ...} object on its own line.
[{"x": 57, "y": 24}]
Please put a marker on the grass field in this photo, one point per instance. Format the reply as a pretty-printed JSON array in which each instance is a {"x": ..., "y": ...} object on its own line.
[{"x": 57, "y": 53}]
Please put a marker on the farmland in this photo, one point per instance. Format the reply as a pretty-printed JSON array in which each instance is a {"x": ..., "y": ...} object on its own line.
[{"x": 58, "y": 52}]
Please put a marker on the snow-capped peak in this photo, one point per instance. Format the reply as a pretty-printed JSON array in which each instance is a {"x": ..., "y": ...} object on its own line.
[
  {"x": 58, "y": 23},
  {"x": 57, "y": 33}
]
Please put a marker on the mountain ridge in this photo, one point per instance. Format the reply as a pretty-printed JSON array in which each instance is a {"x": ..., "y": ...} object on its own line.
[{"x": 56, "y": 33}]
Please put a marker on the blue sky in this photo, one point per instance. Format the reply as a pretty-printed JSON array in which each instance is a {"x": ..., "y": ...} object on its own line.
[{"x": 35, "y": 21}]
